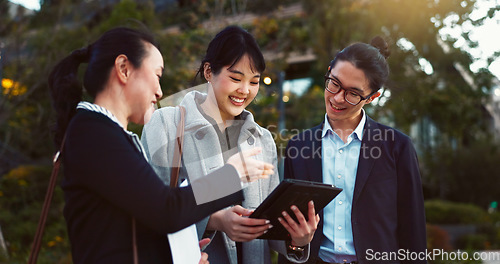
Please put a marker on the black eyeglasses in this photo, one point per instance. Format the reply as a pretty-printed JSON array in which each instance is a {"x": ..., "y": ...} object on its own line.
[{"x": 333, "y": 85}]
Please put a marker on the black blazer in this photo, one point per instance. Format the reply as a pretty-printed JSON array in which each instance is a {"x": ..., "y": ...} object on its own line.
[
  {"x": 107, "y": 181},
  {"x": 387, "y": 209}
]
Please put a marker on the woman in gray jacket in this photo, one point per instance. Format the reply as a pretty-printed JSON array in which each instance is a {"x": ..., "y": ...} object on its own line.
[{"x": 217, "y": 126}]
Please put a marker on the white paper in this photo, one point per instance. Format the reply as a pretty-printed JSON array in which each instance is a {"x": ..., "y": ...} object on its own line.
[{"x": 184, "y": 244}]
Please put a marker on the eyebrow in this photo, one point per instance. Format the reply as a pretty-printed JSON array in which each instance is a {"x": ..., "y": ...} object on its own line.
[{"x": 238, "y": 72}]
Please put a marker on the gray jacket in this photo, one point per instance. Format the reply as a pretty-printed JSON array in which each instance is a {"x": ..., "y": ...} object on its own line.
[{"x": 202, "y": 154}]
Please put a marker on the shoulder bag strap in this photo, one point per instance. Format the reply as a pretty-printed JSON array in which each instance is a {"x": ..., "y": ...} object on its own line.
[
  {"x": 134, "y": 242},
  {"x": 46, "y": 205},
  {"x": 176, "y": 164}
]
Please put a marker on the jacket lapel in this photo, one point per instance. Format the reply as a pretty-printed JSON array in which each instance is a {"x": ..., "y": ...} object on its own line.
[
  {"x": 315, "y": 161},
  {"x": 366, "y": 161},
  {"x": 199, "y": 140},
  {"x": 314, "y": 166},
  {"x": 250, "y": 137}
]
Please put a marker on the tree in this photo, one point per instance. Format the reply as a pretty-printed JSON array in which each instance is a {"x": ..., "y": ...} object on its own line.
[{"x": 445, "y": 109}]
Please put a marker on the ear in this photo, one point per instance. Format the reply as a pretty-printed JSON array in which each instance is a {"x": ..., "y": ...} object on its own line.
[
  {"x": 122, "y": 68},
  {"x": 207, "y": 71},
  {"x": 377, "y": 94}
]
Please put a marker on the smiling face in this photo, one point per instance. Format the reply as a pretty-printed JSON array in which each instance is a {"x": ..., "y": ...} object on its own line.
[
  {"x": 234, "y": 87},
  {"x": 341, "y": 114},
  {"x": 145, "y": 86}
]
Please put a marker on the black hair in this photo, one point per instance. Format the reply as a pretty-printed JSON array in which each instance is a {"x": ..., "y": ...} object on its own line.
[
  {"x": 370, "y": 58},
  {"x": 228, "y": 47},
  {"x": 65, "y": 89}
]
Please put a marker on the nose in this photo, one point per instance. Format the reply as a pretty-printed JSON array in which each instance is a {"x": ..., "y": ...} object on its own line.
[
  {"x": 244, "y": 89},
  {"x": 159, "y": 92},
  {"x": 340, "y": 96}
]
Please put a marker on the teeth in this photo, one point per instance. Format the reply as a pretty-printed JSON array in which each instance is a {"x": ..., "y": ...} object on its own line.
[
  {"x": 236, "y": 99},
  {"x": 334, "y": 107}
]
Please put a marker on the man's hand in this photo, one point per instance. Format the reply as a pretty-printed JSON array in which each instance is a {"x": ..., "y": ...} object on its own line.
[{"x": 302, "y": 232}]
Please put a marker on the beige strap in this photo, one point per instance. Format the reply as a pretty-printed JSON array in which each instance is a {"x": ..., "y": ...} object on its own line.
[
  {"x": 176, "y": 163},
  {"x": 174, "y": 175}
]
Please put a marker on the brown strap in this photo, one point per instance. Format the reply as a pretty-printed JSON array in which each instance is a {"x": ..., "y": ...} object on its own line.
[
  {"x": 134, "y": 242},
  {"x": 46, "y": 205},
  {"x": 176, "y": 164}
]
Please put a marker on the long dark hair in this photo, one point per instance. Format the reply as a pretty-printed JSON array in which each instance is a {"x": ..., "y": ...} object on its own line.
[
  {"x": 227, "y": 48},
  {"x": 65, "y": 88},
  {"x": 370, "y": 58}
]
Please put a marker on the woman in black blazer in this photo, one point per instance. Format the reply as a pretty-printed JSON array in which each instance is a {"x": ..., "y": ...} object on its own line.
[{"x": 109, "y": 187}]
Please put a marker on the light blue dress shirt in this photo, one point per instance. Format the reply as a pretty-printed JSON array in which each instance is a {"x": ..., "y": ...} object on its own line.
[{"x": 340, "y": 164}]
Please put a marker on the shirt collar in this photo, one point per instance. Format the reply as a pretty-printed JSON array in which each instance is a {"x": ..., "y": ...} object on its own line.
[
  {"x": 358, "y": 131},
  {"x": 99, "y": 109}
]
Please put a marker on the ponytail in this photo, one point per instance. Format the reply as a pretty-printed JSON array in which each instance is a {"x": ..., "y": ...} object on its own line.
[{"x": 65, "y": 90}]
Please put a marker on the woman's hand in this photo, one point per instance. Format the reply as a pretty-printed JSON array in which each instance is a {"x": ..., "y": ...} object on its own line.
[
  {"x": 249, "y": 168},
  {"x": 303, "y": 232},
  {"x": 235, "y": 223},
  {"x": 204, "y": 256}
]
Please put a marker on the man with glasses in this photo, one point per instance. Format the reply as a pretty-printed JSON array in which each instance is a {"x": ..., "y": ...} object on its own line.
[{"x": 379, "y": 215}]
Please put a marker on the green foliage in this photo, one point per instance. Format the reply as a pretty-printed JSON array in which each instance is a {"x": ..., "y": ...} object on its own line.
[
  {"x": 439, "y": 212},
  {"x": 465, "y": 174},
  {"x": 21, "y": 197},
  {"x": 437, "y": 238},
  {"x": 263, "y": 6},
  {"x": 128, "y": 13},
  {"x": 182, "y": 53},
  {"x": 302, "y": 110},
  {"x": 472, "y": 241},
  {"x": 4, "y": 20},
  {"x": 445, "y": 212}
]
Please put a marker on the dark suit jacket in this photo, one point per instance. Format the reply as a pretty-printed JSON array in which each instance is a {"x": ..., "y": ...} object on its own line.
[
  {"x": 107, "y": 181},
  {"x": 387, "y": 209}
]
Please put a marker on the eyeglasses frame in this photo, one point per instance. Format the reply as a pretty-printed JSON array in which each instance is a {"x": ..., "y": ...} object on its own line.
[{"x": 335, "y": 79}]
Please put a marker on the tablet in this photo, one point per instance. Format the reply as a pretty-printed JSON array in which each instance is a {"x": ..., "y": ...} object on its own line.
[{"x": 292, "y": 192}]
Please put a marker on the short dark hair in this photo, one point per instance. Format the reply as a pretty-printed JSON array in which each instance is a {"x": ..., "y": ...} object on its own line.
[
  {"x": 228, "y": 47},
  {"x": 370, "y": 58},
  {"x": 65, "y": 88}
]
